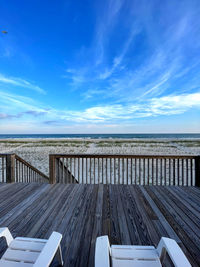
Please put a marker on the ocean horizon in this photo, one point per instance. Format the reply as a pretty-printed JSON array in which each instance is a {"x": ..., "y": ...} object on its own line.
[{"x": 103, "y": 136}]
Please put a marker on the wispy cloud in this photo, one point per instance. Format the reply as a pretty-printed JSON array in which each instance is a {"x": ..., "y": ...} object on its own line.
[
  {"x": 20, "y": 83},
  {"x": 96, "y": 67},
  {"x": 119, "y": 58},
  {"x": 21, "y": 114},
  {"x": 110, "y": 114},
  {"x": 13, "y": 102},
  {"x": 133, "y": 72},
  {"x": 167, "y": 105}
]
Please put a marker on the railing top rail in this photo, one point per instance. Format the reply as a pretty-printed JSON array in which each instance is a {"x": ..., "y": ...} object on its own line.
[
  {"x": 123, "y": 156},
  {"x": 31, "y": 167},
  {"x": 3, "y": 155}
]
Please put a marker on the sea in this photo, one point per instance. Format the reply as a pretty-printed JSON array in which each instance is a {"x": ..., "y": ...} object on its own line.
[{"x": 103, "y": 136}]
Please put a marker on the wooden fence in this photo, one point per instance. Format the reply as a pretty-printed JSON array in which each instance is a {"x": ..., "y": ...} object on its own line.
[
  {"x": 15, "y": 169},
  {"x": 125, "y": 169}
]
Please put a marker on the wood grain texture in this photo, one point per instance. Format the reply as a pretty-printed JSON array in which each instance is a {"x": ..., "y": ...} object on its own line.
[{"x": 129, "y": 214}]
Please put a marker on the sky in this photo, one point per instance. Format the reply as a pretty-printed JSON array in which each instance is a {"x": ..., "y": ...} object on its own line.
[{"x": 100, "y": 66}]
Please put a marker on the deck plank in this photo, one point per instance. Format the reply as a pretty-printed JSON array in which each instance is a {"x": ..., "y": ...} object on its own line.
[
  {"x": 189, "y": 245},
  {"x": 128, "y": 214}
]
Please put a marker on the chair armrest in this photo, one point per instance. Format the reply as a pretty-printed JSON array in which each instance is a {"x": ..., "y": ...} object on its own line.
[
  {"x": 102, "y": 252},
  {"x": 4, "y": 232},
  {"x": 48, "y": 252},
  {"x": 174, "y": 251}
]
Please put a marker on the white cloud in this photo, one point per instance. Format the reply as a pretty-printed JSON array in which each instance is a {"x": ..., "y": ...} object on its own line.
[
  {"x": 18, "y": 106},
  {"x": 168, "y": 105},
  {"x": 175, "y": 103},
  {"x": 21, "y": 83}
]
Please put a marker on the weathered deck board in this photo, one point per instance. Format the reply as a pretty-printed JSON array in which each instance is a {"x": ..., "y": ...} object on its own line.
[{"x": 128, "y": 214}]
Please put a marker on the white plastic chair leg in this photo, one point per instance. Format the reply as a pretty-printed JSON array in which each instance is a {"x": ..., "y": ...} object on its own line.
[
  {"x": 59, "y": 255},
  {"x": 174, "y": 251}
]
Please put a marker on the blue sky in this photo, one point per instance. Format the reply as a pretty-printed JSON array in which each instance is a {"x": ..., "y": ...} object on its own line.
[{"x": 108, "y": 66}]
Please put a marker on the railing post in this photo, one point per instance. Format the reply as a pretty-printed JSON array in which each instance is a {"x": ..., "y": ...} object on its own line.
[
  {"x": 10, "y": 168},
  {"x": 52, "y": 170},
  {"x": 197, "y": 171}
]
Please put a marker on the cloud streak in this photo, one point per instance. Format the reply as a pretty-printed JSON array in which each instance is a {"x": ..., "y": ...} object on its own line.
[{"x": 20, "y": 83}]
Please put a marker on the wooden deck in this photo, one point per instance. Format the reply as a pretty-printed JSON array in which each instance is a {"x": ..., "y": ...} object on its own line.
[{"x": 128, "y": 214}]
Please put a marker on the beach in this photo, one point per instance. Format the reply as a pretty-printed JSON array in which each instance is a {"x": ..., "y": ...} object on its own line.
[{"x": 36, "y": 151}]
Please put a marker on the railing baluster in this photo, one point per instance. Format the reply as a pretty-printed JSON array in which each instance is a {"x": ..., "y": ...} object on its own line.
[
  {"x": 127, "y": 172},
  {"x": 169, "y": 172},
  {"x": 82, "y": 173},
  {"x": 191, "y": 172},
  {"x": 102, "y": 180},
  {"x": 122, "y": 170},
  {"x": 94, "y": 172},
  {"x": 148, "y": 178},
  {"x": 102, "y": 171},
  {"x": 182, "y": 167},
  {"x": 63, "y": 170},
  {"x": 86, "y": 171},
  {"x": 152, "y": 167},
  {"x": 114, "y": 171},
  {"x": 187, "y": 172},
  {"x": 144, "y": 171},
  {"x": 140, "y": 171},
  {"x": 165, "y": 171},
  {"x": 156, "y": 171},
  {"x": 70, "y": 169},
  {"x": 74, "y": 170},
  {"x": 178, "y": 173},
  {"x": 111, "y": 171},
  {"x": 131, "y": 171},
  {"x": 119, "y": 182},
  {"x": 98, "y": 171},
  {"x": 161, "y": 172},
  {"x": 106, "y": 171},
  {"x": 17, "y": 179},
  {"x": 135, "y": 171},
  {"x": 3, "y": 176},
  {"x": 90, "y": 171},
  {"x": 174, "y": 173},
  {"x": 79, "y": 170},
  {"x": 22, "y": 173}
]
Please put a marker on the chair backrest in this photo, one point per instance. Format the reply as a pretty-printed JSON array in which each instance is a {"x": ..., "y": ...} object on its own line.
[{"x": 48, "y": 252}]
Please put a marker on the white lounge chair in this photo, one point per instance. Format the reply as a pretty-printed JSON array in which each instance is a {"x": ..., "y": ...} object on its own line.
[
  {"x": 30, "y": 252},
  {"x": 138, "y": 256}
]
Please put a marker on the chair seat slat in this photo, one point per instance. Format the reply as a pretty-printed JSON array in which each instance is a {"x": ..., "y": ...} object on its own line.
[
  {"x": 4, "y": 263},
  {"x": 27, "y": 245},
  {"x": 20, "y": 255}
]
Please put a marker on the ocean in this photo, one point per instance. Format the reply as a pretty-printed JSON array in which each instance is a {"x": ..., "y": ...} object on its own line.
[{"x": 102, "y": 136}]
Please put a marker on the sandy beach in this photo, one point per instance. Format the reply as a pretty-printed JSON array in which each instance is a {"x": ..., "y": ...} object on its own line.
[{"x": 36, "y": 151}]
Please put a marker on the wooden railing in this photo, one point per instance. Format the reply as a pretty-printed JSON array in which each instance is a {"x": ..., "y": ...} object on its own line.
[
  {"x": 125, "y": 169},
  {"x": 2, "y": 168},
  {"x": 15, "y": 169}
]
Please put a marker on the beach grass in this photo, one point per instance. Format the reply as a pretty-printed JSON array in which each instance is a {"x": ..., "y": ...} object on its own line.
[{"x": 36, "y": 151}]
